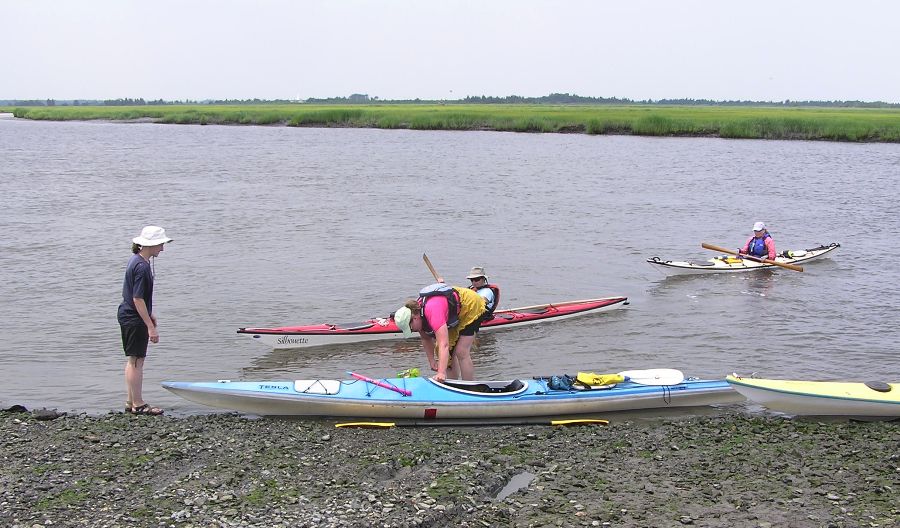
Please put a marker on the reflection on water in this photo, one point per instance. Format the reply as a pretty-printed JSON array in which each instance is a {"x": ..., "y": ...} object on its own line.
[
  {"x": 278, "y": 226},
  {"x": 517, "y": 482}
]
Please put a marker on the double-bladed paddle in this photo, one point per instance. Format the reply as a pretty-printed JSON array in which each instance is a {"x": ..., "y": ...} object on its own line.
[
  {"x": 647, "y": 377},
  {"x": 758, "y": 259}
]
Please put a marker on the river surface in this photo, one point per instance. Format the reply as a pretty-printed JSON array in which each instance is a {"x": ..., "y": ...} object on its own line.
[{"x": 276, "y": 226}]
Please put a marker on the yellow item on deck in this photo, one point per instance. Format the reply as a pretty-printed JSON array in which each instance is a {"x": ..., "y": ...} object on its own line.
[
  {"x": 589, "y": 379},
  {"x": 580, "y": 421},
  {"x": 367, "y": 425}
]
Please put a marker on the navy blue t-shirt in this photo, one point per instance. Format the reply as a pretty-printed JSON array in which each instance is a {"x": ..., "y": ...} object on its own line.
[{"x": 139, "y": 284}]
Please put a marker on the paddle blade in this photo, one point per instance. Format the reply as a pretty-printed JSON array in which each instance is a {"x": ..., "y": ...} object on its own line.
[{"x": 654, "y": 376}]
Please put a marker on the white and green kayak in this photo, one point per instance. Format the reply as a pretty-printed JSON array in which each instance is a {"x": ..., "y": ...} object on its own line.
[
  {"x": 821, "y": 398},
  {"x": 732, "y": 264}
]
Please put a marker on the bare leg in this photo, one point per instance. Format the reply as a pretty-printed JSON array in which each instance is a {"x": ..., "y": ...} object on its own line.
[
  {"x": 134, "y": 380},
  {"x": 453, "y": 368},
  {"x": 462, "y": 357}
]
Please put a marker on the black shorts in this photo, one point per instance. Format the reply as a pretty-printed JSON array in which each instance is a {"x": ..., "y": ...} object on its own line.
[
  {"x": 486, "y": 317},
  {"x": 134, "y": 340},
  {"x": 472, "y": 329}
]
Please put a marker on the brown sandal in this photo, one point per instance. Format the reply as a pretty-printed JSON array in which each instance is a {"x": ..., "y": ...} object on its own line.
[{"x": 148, "y": 410}]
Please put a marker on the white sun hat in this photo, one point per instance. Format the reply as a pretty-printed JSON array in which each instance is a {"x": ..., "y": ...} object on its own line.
[
  {"x": 759, "y": 226},
  {"x": 151, "y": 236}
]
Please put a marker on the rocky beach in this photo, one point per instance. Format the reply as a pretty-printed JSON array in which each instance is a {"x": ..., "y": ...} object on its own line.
[{"x": 727, "y": 469}]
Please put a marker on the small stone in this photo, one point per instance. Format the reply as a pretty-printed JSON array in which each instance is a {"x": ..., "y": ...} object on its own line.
[{"x": 47, "y": 414}]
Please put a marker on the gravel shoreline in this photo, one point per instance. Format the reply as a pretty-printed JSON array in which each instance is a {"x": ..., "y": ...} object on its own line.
[{"x": 731, "y": 469}]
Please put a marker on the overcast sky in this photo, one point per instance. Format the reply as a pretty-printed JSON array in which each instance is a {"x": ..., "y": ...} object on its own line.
[{"x": 762, "y": 50}]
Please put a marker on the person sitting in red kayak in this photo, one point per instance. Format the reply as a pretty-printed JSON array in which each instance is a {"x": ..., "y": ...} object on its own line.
[
  {"x": 446, "y": 318},
  {"x": 490, "y": 292},
  {"x": 761, "y": 244}
]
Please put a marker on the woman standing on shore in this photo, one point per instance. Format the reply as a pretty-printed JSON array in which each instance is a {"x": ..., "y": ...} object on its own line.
[{"x": 136, "y": 319}]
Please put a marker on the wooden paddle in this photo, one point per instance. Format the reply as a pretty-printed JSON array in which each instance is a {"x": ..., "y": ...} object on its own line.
[
  {"x": 431, "y": 268},
  {"x": 548, "y": 305},
  {"x": 758, "y": 259}
]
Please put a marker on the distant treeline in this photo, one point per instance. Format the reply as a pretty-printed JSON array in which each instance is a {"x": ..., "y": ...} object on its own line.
[
  {"x": 564, "y": 98},
  {"x": 552, "y": 99}
]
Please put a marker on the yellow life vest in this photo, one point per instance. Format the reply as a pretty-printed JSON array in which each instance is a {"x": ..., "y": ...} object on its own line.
[{"x": 471, "y": 308}]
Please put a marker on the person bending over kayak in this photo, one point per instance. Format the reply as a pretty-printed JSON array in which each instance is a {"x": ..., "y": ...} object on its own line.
[
  {"x": 446, "y": 318},
  {"x": 761, "y": 244},
  {"x": 490, "y": 292}
]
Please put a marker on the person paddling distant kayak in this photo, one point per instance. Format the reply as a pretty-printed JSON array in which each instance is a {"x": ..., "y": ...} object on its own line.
[
  {"x": 490, "y": 292},
  {"x": 761, "y": 244},
  {"x": 446, "y": 318}
]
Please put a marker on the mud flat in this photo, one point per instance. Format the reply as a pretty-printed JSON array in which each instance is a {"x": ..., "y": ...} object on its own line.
[{"x": 729, "y": 469}]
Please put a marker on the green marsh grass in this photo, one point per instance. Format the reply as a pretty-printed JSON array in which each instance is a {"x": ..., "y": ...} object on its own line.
[{"x": 832, "y": 124}]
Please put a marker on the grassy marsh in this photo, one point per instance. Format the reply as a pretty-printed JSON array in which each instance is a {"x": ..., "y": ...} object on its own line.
[{"x": 832, "y": 124}]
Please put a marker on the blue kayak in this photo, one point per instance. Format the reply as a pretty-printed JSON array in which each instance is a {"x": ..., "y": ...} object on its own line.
[{"x": 423, "y": 398}]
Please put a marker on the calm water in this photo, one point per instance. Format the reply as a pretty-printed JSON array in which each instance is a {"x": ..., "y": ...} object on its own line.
[{"x": 277, "y": 226}]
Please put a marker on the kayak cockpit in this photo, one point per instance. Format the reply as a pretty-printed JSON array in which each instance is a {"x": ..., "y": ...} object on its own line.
[
  {"x": 352, "y": 326},
  {"x": 484, "y": 388}
]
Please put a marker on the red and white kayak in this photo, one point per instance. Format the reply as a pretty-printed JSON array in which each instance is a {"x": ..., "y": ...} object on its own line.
[{"x": 380, "y": 328}]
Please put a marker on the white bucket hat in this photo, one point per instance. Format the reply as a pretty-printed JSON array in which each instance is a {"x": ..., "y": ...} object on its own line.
[
  {"x": 759, "y": 226},
  {"x": 151, "y": 236}
]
